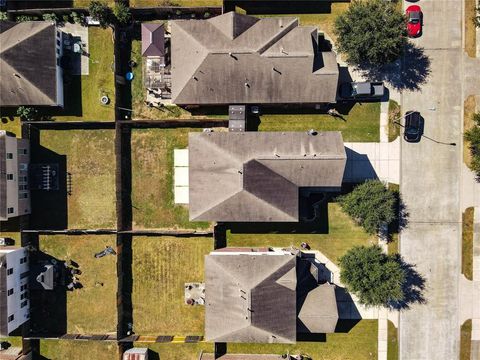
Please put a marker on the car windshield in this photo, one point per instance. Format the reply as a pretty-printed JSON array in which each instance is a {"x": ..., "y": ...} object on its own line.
[{"x": 414, "y": 17}]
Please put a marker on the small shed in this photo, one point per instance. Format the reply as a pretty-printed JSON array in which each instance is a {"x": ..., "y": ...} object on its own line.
[
  {"x": 136, "y": 354},
  {"x": 153, "y": 40}
]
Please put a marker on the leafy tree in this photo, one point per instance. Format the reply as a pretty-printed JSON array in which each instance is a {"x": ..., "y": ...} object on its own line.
[
  {"x": 77, "y": 18},
  {"x": 3, "y": 16},
  {"x": 101, "y": 12},
  {"x": 50, "y": 17},
  {"x": 26, "y": 113},
  {"x": 371, "y": 32},
  {"x": 473, "y": 137},
  {"x": 375, "y": 277},
  {"x": 370, "y": 205},
  {"x": 122, "y": 13}
]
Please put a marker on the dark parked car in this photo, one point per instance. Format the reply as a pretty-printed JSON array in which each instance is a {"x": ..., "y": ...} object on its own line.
[
  {"x": 413, "y": 126},
  {"x": 362, "y": 90}
]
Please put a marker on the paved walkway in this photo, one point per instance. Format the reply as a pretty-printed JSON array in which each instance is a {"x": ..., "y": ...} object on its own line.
[
  {"x": 373, "y": 161},
  {"x": 81, "y": 63},
  {"x": 384, "y": 122}
]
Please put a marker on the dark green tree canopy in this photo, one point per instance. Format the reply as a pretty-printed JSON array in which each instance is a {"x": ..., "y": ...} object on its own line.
[
  {"x": 370, "y": 205},
  {"x": 371, "y": 32},
  {"x": 101, "y": 12},
  {"x": 375, "y": 277},
  {"x": 122, "y": 13}
]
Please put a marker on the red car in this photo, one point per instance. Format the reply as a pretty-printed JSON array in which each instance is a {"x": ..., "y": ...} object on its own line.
[{"x": 414, "y": 20}]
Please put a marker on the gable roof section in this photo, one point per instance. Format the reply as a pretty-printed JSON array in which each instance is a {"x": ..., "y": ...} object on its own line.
[
  {"x": 262, "y": 61},
  {"x": 233, "y": 24},
  {"x": 28, "y": 64},
  {"x": 250, "y": 298},
  {"x": 153, "y": 39},
  {"x": 256, "y": 176}
]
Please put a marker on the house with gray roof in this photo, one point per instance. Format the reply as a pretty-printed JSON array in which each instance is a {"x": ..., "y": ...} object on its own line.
[
  {"x": 255, "y": 296},
  {"x": 241, "y": 59},
  {"x": 30, "y": 64},
  {"x": 259, "y": 176}
]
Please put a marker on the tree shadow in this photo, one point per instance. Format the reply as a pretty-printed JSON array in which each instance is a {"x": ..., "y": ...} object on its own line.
[
  {"x": 401, "y": 221},
  {"x": 407, "y": 74},
  {"x": 413, "y": 287}
]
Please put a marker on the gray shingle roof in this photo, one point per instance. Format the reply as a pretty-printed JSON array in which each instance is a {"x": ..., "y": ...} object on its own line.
[
  {"x": 27, "y": 63},
  {"x": 256, "y": 176},
  {"x": 250, "y": 298},
  {"x": 239, "y": 59},
  {"x": 319, "y": 313}
]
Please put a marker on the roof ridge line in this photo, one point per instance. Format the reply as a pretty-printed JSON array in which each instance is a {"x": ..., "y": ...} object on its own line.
[
  {"x": 279, "y": 35},
  {"x": 18, "y": 43},
  {"x": 24, "y": 78}
]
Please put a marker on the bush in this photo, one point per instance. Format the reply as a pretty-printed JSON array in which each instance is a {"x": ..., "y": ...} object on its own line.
[
  {"x": 77, "y": 18},
  {"x": 50, "y": 17},
  {"x": 373, "y": 276},
  {"x": 473, "y": 137},
  {"x": 3, "y": 16},
  {"x": 66, "y": 18},
  {"x": 370, "y": 205},
  {"x": 371, "y": 32},
  {"x": 23, "y": 18},
  {"x": 100, "y": 12},
  {"x": 26, "y": 113},
  {"x": 122, "y": 13}
]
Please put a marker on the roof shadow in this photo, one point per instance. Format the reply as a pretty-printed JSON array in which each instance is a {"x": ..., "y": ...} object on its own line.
[
  {"x": 48, "y": 313},
  {"x": 358, "y": 168},
  {"x": 318, "y": 225},
  {"x": 49, "y": 208}
]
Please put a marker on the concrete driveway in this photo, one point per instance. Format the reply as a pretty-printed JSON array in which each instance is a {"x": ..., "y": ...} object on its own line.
[{"x": 430, "y": 182}]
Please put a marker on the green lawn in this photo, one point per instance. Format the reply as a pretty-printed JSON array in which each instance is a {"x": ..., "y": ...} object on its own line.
[
  {"x": 392, "y": 349},
  {"x": 90, "y": 159},
  {"x": 82, "y": 96},
  {"x": 394, "y": 114},
  {"x": 465, "y": 340},
  {"x": 360, "y": 343},
  {"x": 467, "y": 243},
  {"x": 13, "y": 126},
  {"x": 15, "y": 341},
  {"x": 92, "y": 309},
  {"x": 78, "y": 350},
  {"x": 324, "y": 22},
  {"x": 152, "y": 179},
  {"x": 361, "y": 124},
  {"x": 342, "y": 234},
  {"x": 161, "y": 267}
]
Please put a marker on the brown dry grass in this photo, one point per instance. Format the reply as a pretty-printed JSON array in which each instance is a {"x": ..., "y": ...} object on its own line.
[
  {"x": 161, "y": 267},
  {"x": 91, "y": 309},
  {"x": 470, "y": 31},
  {"x": 91, "y": 161}
]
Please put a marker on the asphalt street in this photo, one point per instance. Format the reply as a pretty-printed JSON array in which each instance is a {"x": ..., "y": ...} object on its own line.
[{"x": 430, "y": 186}]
